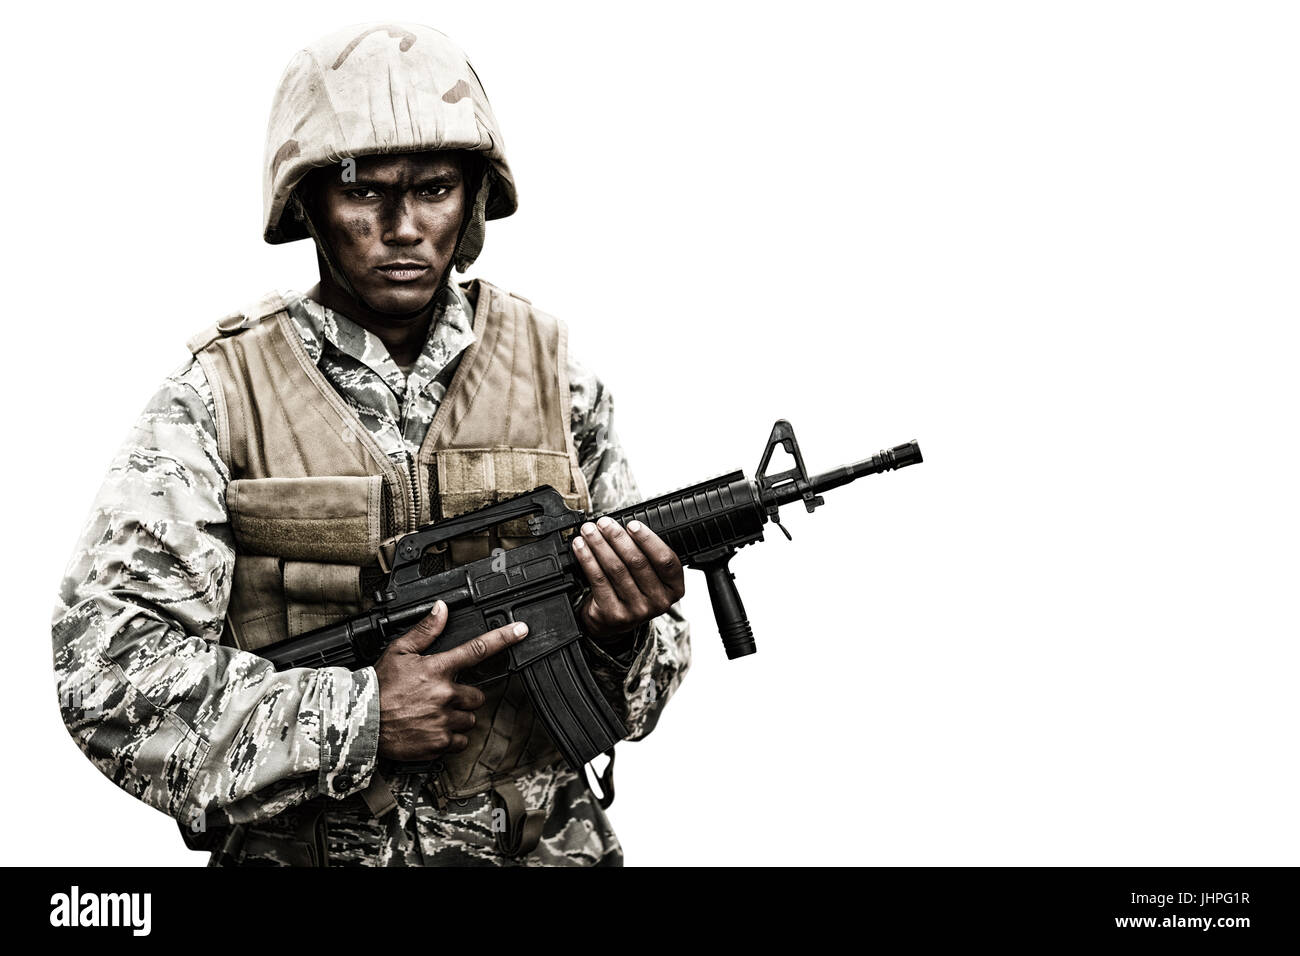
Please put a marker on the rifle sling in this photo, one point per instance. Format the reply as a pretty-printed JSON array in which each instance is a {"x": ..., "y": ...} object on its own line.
[{"x": 523, "y": 828}]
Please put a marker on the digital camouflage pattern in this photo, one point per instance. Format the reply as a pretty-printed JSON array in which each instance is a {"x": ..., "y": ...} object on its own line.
[{"x": 211, "y": 735}]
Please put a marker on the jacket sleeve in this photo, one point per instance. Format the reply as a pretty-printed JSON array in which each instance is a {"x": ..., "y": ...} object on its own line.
[
  {"x": 206, "y": 733},
  {"x": 637, "y": 679}
]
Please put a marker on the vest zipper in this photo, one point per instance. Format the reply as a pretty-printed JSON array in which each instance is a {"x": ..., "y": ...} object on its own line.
[
  {"x": 407, "y": 410},
  {"x": 415, "y": 493}
]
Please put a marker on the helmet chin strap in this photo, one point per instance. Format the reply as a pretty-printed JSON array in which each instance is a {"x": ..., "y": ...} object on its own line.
[{"x": 300, "y": 212}]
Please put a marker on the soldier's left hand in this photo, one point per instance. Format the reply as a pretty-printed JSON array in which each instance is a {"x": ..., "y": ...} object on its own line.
[{"x": 634, "y": 577}]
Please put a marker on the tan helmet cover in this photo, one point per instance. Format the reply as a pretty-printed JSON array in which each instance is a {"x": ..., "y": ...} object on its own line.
[{"x": 381, "y": 88}]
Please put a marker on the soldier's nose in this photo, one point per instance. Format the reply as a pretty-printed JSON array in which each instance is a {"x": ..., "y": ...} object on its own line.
[{"x": 401, "y": 227}]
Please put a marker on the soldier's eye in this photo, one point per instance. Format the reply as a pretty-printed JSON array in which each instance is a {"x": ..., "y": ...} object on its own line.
[
  {"x": 434, "y": 192},
  {"x": 362, "y": 192}
]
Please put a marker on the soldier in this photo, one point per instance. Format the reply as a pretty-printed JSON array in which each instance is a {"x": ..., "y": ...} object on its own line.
[{"x": 255, "y": 493}]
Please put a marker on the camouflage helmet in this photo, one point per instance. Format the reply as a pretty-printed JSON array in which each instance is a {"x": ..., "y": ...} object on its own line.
[{"x": 381, "y": 88}]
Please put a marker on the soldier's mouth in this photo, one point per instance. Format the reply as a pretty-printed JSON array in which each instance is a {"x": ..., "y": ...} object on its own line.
[{"x": 403, "y": 271}]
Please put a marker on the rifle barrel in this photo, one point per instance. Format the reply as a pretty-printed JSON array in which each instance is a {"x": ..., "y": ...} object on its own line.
[{"x": 900, "y": 456}]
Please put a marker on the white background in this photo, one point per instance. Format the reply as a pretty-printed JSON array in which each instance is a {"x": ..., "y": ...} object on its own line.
[{"x": 1055, "y": 243}]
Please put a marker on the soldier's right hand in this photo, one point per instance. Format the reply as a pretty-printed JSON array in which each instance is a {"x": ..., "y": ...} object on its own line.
[{"x": 423, "y": 712}]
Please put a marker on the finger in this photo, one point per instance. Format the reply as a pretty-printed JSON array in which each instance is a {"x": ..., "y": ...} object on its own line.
[
  {"x": 425, "y": 631},
  {"x": 661, "y": 557},
  {"x": 479, "y": 649},
  {"x": 461, "y": 720},
  {"x": 631, "y": 553},
  {"x": 620, "y": 578},
  {"x": 602, "y": 592},
  {"x": 458, "y": 743},
  {"x": 467, "y": 697}
]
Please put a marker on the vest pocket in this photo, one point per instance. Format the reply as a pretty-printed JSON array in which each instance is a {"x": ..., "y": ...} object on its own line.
[
  {"x": 472, "y": 478},
  {"x": 317, "y": 594},
  {"x": 300, "y": 545},
  {"x": 274, "y": 599},
  {"x": 331, "y": 519},
  {"x": 255, "y": 616}
]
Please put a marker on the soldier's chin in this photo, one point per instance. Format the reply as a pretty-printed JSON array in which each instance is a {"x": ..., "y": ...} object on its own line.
[{"x": 401, "y": 300}]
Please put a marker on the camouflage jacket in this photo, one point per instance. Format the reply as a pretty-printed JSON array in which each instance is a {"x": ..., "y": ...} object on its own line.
[{"x": 214, "y": 736}]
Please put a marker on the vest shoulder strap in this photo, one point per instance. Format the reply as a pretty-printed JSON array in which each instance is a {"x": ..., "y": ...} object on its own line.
[
  {"x": 472, "y": 287},
  {"x": 236, "y": 322}
]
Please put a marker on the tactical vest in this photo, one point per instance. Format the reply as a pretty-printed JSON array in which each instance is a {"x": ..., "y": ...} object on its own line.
[{"x": 312, "y": 497}]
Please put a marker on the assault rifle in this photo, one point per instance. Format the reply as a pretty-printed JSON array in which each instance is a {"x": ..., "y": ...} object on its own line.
[{"x": 540, "y": 582}]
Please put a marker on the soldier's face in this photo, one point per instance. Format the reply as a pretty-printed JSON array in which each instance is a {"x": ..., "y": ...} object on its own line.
[{"x": 393, "y": 230}]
